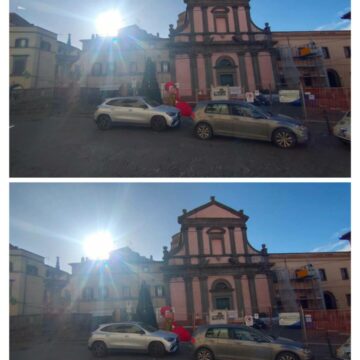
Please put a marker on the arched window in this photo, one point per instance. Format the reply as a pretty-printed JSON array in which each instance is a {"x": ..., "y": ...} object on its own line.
[
  {"x": 334, "y": 78},
  {"x": 226, "y": 71},
  {"x": 330, "y": 301},
  {"x": 222, "y": 297}
]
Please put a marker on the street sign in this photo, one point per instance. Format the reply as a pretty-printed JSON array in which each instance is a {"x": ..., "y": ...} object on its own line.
[
  {"x": 249, "y": 320},
  {"x": 250, "y": 97}
]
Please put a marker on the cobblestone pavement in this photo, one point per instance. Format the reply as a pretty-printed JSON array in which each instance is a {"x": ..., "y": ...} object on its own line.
[{"x": 72, "y": 146}]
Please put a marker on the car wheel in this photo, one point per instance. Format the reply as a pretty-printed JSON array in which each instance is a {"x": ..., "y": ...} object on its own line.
[
  {"x": 156, "y": 349},
  {"x": 287, "y": 356},
  {"x": 284, "y": 138},
  {"x": 204, "y": 354},
  {"x": 99, "y": 349},
  {"x": 158, "y": 123},
  {"x": 103, "y": 122},
  {"x": 203, "y": 131}
]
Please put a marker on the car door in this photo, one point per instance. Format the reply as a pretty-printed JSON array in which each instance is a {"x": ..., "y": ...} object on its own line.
[
  {"x": 136, "y": 112},
  {"x": 219, "y": 341},
  {"x": 248, "y": 346},
  {"x": 219, "y": 117},
  {"x": 249, "y": 123},
  {"x": 136, "y": 338},
  {"x": 117, "y": 110},
  {"x": 115, "y": 336}
]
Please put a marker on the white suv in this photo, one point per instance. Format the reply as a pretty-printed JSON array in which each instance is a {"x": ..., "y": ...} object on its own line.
[
  {"x": 136, "y": 111},
  {"x": 132, "y": 337}
]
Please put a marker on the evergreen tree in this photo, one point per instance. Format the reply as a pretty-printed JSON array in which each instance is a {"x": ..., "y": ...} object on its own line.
[
  {"x": 144, "y": 310},
  {"x": 150, "y": 87}
]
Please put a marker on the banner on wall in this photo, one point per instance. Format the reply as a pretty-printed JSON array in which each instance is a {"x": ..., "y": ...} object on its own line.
[
  {"x": 289, "y": 319},
  {"x": 218, "y": 317},
  {"x": 289, "y": 96}
]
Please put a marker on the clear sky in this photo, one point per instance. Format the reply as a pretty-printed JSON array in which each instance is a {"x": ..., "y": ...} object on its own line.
[
  {"x": 78, "y": 17},
  {"x": 54, "y": 219}
]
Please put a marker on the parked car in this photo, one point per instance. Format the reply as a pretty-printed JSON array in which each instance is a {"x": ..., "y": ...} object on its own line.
[
  {"x": 132, "y": 337},
  {"x": 259, "y": 324},
  {"x": 344, "y": 351},
  {"x": 136, "y": 111},
  {"x": 234, "y": 342},
  {"x": 244, "y": 120},
  {"x": 342, "y": 129}
]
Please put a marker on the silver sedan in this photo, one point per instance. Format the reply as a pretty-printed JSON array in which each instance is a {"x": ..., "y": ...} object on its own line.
[{"x": 136, "y": 111}]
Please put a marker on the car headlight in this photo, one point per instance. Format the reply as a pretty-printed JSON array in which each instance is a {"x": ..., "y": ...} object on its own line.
[
  {"x": 301, "y": 127},
  {"x": 171, "y": 113},
  {"x": 169, "y": 339}
]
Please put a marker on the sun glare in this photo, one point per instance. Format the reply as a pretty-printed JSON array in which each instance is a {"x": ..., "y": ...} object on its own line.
[
  {"x": 98, "y": 246},
  {"x": 108, "y": 23}
]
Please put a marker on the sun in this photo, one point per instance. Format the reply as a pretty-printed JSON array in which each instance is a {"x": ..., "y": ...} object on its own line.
[
  {"x": 99, "y": 245},
  {"x": 108, "y": 23}
]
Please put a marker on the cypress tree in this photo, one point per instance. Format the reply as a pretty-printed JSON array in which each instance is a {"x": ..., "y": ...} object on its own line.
[
  {"x": 145, "y": 310},
  {"x": 150, "y": 87}
]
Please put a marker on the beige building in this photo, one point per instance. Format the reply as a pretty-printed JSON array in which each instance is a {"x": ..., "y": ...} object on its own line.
[
  {"x": 313, "y": 280},
  {"x": 35, "y": 288},
  {"x": 110, "y": 288},
  {"x": 116, "y": 66},
  {"x": 32, "y": 54},
  {"x": 319, "y": 58}
]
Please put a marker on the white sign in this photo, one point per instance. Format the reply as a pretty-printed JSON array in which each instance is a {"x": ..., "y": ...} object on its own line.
[
  {"x": 233, "y": 314},
  {"x": 256, "y": 316},
  {"x": 220, "y": 93},
  {"x": 250, "y": 97},
  {"x": 218, "y": 317},
  {"x": 249, "y": 320},
  {"x": 289, "y": 319},
  {"x": 308, "y": 318},
  {"x": 311, "y": 97},
  {"x": 289, "y": 96},
  {"x": 257, "y": 92},
  {"x": 235, "y": 90}
]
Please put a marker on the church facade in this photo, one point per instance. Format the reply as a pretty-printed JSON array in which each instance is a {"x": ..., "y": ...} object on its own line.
[
  {"x": 216, "y": 43},
  {"x": 212, "y": 266}
]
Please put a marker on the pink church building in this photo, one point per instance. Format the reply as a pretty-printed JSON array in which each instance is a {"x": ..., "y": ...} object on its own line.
[
  {"x": 212, "y": 266},
  {"x": 216, "y": 43}
]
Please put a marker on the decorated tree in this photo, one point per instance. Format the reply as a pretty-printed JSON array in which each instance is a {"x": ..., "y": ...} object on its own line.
[
  {"x": 150, "y": 87},
  {"x": 145, "y": 310}
]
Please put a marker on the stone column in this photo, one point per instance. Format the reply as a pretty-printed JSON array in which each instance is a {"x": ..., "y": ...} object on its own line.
[
  {"x": 271, "y": 290},
  {"x": 200, "y": 240},
  {"x": 239, "y": 295},
  {"x": 236, "y": 19},
  {"x": 252, "y": 290},
  {"x": 245, "y": 240},
  {"x": 232, "y": 241},
  {"x": 256, "y": 67},
  {"x": 204, "y": 291},
  {"x": 185, "y": 238},
  {"x": 192, "y": 24},
  {"x": 243, "y": 72},
  {"x": 208, "y": 70},
  {"x": 189, "y": 296},
  {"x": 194, "y": 74},
  {"x": 167, "y": 280},
  {"x": 205, "y": 21}
]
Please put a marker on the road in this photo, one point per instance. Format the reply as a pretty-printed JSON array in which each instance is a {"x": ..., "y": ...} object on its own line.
[{"x": 72, "y": 146}]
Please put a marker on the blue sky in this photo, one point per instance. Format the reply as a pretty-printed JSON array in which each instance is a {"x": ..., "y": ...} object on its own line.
[
  {"x": 77, "y": 17},
  {"x": 54, "y": 219}
]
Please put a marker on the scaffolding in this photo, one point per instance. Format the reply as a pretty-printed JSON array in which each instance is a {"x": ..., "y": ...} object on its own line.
[
  {"x": 302, "y": 64},
  {"x": 298, "y": 287}
]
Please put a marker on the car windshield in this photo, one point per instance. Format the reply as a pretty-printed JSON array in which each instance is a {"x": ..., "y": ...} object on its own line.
[
  {"x": 151, "y": 102},
  {"x": 147, "y": 327}
]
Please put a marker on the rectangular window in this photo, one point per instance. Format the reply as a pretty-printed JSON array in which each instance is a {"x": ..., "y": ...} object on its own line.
[
  {"x": 11, "y": 267},
  {"x": 21, "y": 43},
  {"x": 126, "y": 291},
  {"x": 103, "y": 293},
  {"x": 348, "y": 299},
  {"x": 322, "y": 275},
  {"x": 19, "y": 65},
  {"x": 344, "y": 273},
  {"x": 347, "y": 51},
  {"x": 159, "y": 291},
  {"x": 221, "y": 24},
  {"x": 222, "y": 333},
  {"x": 221, "y": 109},
  {"x": 31, "y": 270},
  {"x": 88, "y": 294},
  {"x": 44, "y": 45},
  {"x": 326, "y": 52},
  {"x": 165, "y": 67}
]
